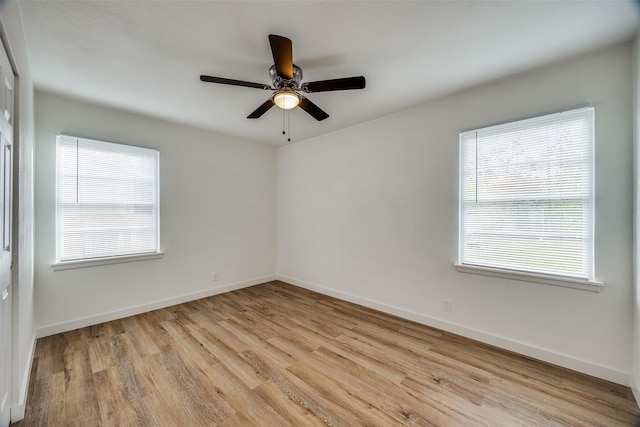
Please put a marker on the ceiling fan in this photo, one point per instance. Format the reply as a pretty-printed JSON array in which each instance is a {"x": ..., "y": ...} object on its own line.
[{"x": 286, "y": 78}]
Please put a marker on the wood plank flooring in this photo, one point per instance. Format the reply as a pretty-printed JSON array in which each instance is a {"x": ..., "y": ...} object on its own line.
[{"x": 278, "y": 355}]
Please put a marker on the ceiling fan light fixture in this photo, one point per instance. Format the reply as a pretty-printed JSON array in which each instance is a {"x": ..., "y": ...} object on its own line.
[
  {"x": 286, "y": 78},
  {"x": 286, "y": 99}
]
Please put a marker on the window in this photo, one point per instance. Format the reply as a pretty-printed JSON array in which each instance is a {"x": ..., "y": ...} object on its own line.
[
  {"x": 526, "y": 196},
  {"x": 106, "y": 200}
]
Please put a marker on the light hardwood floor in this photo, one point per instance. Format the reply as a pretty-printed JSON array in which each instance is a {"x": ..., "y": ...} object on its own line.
[{"x": 278, "y": 355}]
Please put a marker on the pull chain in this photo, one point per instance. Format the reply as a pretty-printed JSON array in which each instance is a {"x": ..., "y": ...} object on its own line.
[{"x": 288, "y": 129}]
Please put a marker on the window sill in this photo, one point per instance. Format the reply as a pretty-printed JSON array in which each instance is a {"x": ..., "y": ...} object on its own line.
[
  {"x": 69, "y": 265},
  {"x": 585, "y": 285}
]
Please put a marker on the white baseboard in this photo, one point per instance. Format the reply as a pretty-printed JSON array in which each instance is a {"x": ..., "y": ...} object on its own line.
[
  {"x": 609, "y": 374},
  {"x": 18, "y": 408},
  {"x": 45, "y": 331},
  {"x": 635, "y": 388}
]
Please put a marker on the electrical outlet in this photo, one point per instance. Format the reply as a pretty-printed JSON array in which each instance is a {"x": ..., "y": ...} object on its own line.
[
  {"x": 446, "y": 304},
  {"x": 214, "y": 277}
]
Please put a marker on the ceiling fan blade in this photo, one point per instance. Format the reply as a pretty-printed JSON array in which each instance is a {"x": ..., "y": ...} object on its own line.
[
  {"x": 346, "y": 83},
  {"x": 312, "y": 109},
  {"x": 282, "y": 50},
  {"x": 232, "y": 82},
  {"x": 261, "y": 109}
]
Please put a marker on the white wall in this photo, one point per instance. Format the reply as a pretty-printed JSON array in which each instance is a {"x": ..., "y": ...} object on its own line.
[
  {"x": 217, "y": 214},
  {"x": 22, "y": 307},
  {"x": 635, "y": 372},
  {"x": 369, "y": 214}
]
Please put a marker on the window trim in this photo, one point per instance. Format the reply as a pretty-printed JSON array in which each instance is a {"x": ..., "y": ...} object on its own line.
[
  {"x": 565, "y": 282},
  {"x": 94, "y": 262},
  {"x": 587, "y": 284}
]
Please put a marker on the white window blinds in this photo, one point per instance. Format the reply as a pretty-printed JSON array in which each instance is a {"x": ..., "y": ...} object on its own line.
[
  {"x": 526, "y": 195},
  {"x": 107, "y": 200}
]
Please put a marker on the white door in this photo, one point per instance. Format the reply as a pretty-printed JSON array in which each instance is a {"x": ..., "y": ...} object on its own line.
[{"x": 7, "y": 81}]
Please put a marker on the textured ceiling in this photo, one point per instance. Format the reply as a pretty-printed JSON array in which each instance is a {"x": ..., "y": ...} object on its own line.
[{"x": 146, "y": 56}]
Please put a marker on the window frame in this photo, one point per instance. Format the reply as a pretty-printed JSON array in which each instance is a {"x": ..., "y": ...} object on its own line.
[
  {"x": 59, "y": 264},
  {"x": 590, "y": 283}
]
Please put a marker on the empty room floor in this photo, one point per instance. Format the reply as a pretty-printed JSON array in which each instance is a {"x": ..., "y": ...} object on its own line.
[{"x": 278, "y": 355}]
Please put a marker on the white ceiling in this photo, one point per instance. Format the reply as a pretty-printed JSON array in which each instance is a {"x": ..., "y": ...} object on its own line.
[{"x": 147, "y": 56}]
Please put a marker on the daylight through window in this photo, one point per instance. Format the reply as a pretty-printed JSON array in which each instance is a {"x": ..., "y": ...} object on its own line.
[
  {"x": 526, "y": 196},
  {"x": 106, "y": 200}
]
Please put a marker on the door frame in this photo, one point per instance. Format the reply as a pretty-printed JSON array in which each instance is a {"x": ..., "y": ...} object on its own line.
[{"x": 16, "y": 412}]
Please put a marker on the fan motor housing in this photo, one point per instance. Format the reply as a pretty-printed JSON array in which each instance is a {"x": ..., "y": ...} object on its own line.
[{"x": 280, "y": 83}]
